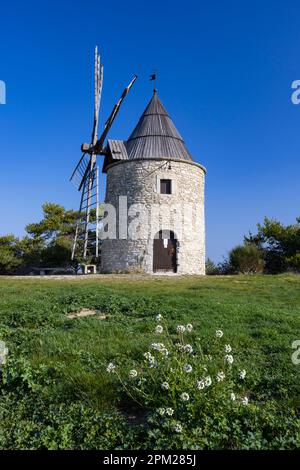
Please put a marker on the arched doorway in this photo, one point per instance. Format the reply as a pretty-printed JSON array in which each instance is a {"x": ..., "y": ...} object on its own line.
[{"x": 165, "y": 252}]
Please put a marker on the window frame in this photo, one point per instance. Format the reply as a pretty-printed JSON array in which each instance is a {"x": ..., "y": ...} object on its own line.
[{"x": 168, "y": 185}]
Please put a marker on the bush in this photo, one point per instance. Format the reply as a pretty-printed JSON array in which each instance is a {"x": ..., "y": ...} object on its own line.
[
  {"x": 246, "y": 259},
  {"x": 196, "y": 400},
  {"x": 280, "y": 245},
  {"x": 211, "y": 269},
  {"x": 186, "y": 391},
  {"x": 9, "y": 254}
]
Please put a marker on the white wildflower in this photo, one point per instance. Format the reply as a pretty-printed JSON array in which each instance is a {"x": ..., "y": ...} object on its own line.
[
  {"x": 161, "y": 411},
  {"x": 187, "y": 368},
  {"x": 180, "y": 328},
  {"x": 133, "y": 373},
  {"x": 159, "y": 317},
  {"x": 185, "y": 396},
  {"x": 244, "y": 400},
  {"x": 188, "y": 348},
  {"x": 229, "y": 358},
  {"x": 157, "y": 346},
  {"x": 207, "y": 381},
  {"x": 219, "y": 333},
  {"x": 110, "y": 368},
  {"x": 177, "y": 428},
  {"x": 165, "y": 386},
  {"x": 200, "y": 384},
  {"x": 169, "y": 411},
  {"x": 3, "y": 352},
  {"x": 232, "y": 396},
  {"x": 228, "y": 348},
  {"x": 159, "y": 329},
  {"x": 220, "y": 376},
  {"x": 164, "y": 352},
  {"x": 242, "y": 374},
  {"x": 152, "y": 364},
  {"x": 189, "y": 327},
  {"x": 160, "y": 347},
  {"x": 148, "y": 355}
]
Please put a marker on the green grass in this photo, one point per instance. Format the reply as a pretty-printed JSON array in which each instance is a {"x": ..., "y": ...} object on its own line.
[{"x": 260, "y": 316}]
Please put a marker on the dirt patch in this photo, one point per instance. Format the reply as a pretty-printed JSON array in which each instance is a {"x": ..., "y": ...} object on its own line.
[
  {"x": 137, "y": 417},
  {"x": 86, "y": 312}
]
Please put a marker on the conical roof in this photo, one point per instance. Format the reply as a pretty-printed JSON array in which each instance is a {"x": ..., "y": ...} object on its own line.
[{"x": 155, "y": 135}]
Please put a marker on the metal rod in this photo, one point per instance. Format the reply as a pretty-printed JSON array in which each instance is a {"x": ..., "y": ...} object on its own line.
[
  {"x": 92, "y": 196},
  {"x": 88, "y": 210},
  {"x": 78, "y": 164},
  {"x": 76, "y": 231},
  {"x": 97, "y": 212}
]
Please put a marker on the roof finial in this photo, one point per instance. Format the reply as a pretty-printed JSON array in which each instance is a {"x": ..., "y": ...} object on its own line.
[{"x": 153, "y": 76}]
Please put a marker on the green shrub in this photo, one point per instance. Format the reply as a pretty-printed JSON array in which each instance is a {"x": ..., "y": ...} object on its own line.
[
  {"x": 211, "y": 269},
  {"x": 246, "y": 259},
  {"x": 279, "y": 243},
  {"x": 198, "y": 398}
]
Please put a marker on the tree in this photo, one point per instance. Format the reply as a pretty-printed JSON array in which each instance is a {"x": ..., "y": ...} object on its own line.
[
  {"x": 10, "y": 254},
  {"x": 280, "y": 245},
  {"x": 50, "y": 240},
  {"x": 31, "y": 249},
  {"x": 57, "y": 221},
  {"x": 246, "y": 259},
  {"x": 48, "y": 243}
]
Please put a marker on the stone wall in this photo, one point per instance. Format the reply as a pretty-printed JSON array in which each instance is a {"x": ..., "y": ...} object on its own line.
[{"x": 149, "y": 211}]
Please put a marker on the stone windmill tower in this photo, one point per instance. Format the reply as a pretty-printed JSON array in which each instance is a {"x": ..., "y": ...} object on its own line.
[{"x": 157, "y": 193}]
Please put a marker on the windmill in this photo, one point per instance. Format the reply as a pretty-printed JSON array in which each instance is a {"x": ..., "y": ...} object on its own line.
[{"x": 86, "y": 174}]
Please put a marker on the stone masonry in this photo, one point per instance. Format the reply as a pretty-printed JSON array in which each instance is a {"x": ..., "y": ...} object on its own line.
[{"x": 147, "y": 211}]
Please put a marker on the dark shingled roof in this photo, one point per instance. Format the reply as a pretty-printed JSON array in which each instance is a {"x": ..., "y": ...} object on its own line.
[{"x": 155, "y": 135}]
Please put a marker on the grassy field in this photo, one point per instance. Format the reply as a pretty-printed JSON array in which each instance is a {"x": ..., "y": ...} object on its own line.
[{"x": 260, "y": 316}]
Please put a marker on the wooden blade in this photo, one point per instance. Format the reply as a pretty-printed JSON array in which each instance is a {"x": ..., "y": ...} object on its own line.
[
  {"x": 99, "y": 145},
  {"x": 88, "y": 169},
  {"x": 79, "y": 169},
  {"x": 98, "y": 80}
]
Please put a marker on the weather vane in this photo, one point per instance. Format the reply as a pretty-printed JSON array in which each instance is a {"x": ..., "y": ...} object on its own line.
[{"x": 153, "y": 76}]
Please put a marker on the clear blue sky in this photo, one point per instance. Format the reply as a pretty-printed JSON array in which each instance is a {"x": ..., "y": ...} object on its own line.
[{"x": 225, "y": 71}]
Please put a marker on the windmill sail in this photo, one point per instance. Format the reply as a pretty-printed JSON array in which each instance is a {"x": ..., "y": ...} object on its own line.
[
  {"x": 80, "y": 170},
  {"x": 110, "y": 120},
  {"x": 86, "y": 174}
]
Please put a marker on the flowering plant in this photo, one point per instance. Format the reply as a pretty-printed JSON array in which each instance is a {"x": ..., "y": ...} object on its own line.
[
  {"x": 180, "y": 384},
  {"x": 3, "y": 352}
]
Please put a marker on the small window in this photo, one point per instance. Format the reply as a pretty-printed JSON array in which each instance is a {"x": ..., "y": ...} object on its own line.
[{"x": 165, "y": 187}]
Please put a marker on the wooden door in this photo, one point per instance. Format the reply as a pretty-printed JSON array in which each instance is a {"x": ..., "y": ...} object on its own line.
[{"x": 164, "y": 254}]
